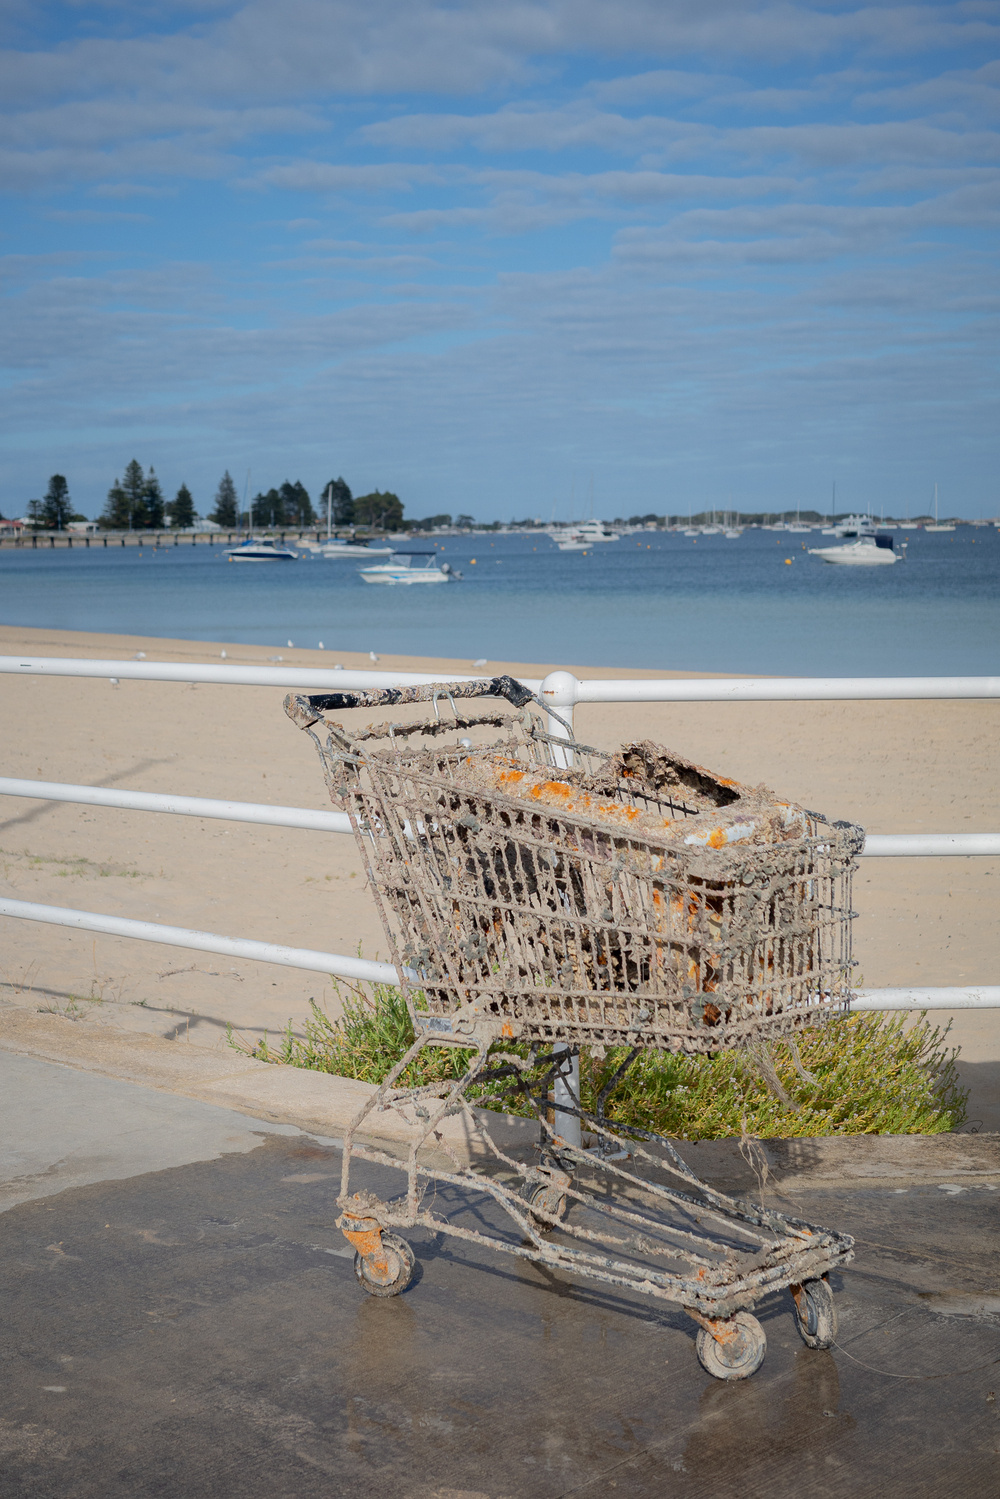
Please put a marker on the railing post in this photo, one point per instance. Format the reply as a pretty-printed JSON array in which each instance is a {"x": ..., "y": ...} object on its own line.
[
  {"x": 566, "y": 1095},
  {"x": 559, "y": 692}
]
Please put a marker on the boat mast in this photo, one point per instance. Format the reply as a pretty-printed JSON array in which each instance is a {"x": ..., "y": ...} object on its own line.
[{"x": 329, "y": 508}]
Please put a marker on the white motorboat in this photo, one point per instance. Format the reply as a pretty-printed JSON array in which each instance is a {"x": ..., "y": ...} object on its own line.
[
  {"x": 260, "y": 550},
  {"x": 411, "y": 567},
  {"x": 870, "y": 550},
  {"x": 581, "y": 538},
  {"x": 335, "y": 550},
  {"x": 851, "y": 528}
]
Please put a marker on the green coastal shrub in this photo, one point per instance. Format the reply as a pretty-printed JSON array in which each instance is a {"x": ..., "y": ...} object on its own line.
[{"x": 859, "y": 1075}]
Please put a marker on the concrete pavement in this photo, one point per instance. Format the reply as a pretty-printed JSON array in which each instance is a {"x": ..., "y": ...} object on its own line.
[{"x": 181, "y": 1318}]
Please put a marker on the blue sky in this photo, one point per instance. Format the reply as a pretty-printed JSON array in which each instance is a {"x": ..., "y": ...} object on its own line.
[{"x": 692, "y": 252}]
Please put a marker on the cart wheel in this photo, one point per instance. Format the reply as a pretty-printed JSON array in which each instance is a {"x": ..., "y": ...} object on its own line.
[
  {"x": 815, "y": 1313},
  {"x": 547, "y": 1196},
  {"x": 737, "y": 1358},
  {"x": 389, "y": 1272}
]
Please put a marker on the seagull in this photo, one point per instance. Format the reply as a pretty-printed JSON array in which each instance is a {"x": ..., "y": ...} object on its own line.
[
  {"x": 223, "y": 655},
  {"x": 372, "y": 656},
  {"x": 480, "y": 662},
  {"x": 321, "y": 645},
  {"x": 291, "y": 645}
]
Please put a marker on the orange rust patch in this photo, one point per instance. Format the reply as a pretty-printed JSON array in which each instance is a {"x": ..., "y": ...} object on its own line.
[
  {"x": 551, "y": 788},
  {"x": 367, "y": 1241},
  {"x": 718, "y": 838}
]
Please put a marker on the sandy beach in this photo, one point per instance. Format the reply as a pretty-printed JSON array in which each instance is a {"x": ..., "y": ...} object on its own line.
[{"x": 892, "y": 767}]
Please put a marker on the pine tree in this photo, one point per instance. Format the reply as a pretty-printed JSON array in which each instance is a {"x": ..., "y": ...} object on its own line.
[
  {"x": 296, "y": 505},
  {"x": 381, "y": 511},
  {"x": 226, "y": 503},
  {"x": 134, "y": 485},
  {"x": 343, "y": 503},
  {"x": 306, "y": 513},
  {"x": 152, "y": 496},
  {"x": 57, "y": 511},
  {"x": 116, "y": 510},
  {"x": 36, "y": 515},
  {"x": 182, "y": 509}
]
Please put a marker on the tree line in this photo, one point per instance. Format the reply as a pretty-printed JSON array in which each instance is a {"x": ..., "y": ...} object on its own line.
[{"x": 135, "y": 502}]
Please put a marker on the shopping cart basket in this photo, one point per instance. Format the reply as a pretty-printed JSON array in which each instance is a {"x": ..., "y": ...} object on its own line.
[{"x": 540, "y": 895}]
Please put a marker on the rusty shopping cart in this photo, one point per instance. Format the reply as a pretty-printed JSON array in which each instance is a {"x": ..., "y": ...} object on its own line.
[{"x": 539, "y": 896}]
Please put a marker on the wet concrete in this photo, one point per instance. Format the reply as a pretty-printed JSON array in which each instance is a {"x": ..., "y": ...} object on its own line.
[{"x": 198, "y": 1331}]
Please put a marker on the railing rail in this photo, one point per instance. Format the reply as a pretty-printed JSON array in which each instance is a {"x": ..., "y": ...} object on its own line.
[
  {"x": 877, "y": 845},
  {"x": 561, "y": 690},
  {"x": 366, "y": 970},
  {"x": 185, "y": 806}
]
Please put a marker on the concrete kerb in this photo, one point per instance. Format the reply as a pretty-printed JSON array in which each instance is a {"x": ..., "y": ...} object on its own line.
[
  {"x": 323, "y": 1104},
  {"x": 318, "y": 1102}
]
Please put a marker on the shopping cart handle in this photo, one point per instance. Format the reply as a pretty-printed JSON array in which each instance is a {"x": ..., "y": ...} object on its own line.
[{"x": 306, "y": 710}]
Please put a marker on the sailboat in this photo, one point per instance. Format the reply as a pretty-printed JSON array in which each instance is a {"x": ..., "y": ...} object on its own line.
[
  {"x": 937, "y": 526},
  {"x": 334, "y": 548}
]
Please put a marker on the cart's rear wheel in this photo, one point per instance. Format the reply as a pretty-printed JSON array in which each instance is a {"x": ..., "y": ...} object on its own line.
[
  {"x": 544, "y": 1197},
  {"x": 735, "y": 1357},
  {"x": 389, "y": 1270},
  {"x": 815, "y": 1313}
]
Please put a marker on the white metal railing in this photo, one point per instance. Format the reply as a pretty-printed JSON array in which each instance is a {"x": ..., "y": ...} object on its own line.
[
  {"x": 560, "y": 688},
  {"x": 562, "y": 691},
  {"x": 981, "y": 997},
  {"x": 338, "y": 964},
  {"x": 185, "y": 806},
  {"x": 877, "y": 845}
]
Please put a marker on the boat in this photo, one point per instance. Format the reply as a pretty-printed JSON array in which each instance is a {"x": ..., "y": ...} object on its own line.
[
  {"x": 260, "y": 550},
  {"x": 872, "y": 549},
  {"x": 583, "y": 537},
  {"x": 336, "y": 550},
  {"x": 851, "y": 528},
  {"x": 936, "y": 526},
  {"x": 411, "y": 567}
]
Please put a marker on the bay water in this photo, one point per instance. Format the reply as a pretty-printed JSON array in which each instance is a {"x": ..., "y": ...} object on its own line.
[{"x": 756, "y": 604}]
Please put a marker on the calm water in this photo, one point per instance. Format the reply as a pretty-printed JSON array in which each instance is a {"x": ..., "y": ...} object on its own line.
[{"x": 650, "y": 601}]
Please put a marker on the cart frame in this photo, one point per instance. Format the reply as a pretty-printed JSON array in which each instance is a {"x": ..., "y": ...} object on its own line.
[{"x": 649, "y": 1239}]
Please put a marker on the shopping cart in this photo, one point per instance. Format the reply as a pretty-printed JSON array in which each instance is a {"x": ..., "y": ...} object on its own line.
[{"x": 539, "y": 895}]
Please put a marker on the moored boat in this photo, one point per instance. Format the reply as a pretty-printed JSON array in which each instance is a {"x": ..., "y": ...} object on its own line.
[
  {"x": 262, "y": 549},
  {"x": 411, "y": 567},
  {"x": 872, "y": 550}
]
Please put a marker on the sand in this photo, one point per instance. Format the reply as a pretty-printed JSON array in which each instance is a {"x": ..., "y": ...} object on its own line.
[{"x": 892, "y": 767}]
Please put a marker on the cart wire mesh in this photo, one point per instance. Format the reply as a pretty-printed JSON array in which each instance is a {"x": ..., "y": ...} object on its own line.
[{"x": 557, "y": 892}]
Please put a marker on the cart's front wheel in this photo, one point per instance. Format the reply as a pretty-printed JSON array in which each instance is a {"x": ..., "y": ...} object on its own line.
[
  {"x": 546, "y": 1198},
  {"x": 736, "y": 1355},
  {"x": 815, "y": 1313},
  {"x": 389, "y": 1269}
]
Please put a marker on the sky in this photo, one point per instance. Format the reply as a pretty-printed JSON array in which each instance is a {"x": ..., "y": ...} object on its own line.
[{"x": 505, "y": 257}]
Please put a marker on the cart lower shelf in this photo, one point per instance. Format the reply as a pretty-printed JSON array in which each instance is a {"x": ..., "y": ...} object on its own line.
[{"x": 627, "y": 1213}]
